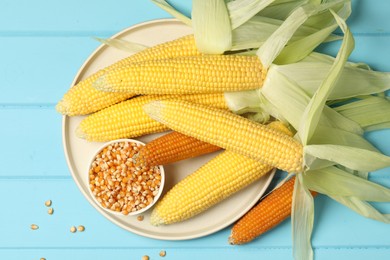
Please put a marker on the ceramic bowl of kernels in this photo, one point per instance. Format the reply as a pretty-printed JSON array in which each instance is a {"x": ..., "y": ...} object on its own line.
[{"x": 118, "y": 185}]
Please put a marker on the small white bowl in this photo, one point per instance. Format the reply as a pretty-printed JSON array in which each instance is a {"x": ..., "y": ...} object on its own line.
[{"x": 155, "y": 198}]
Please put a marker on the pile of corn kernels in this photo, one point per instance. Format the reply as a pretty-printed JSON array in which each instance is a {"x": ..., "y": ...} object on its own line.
[{"x": 118, "y": 184}]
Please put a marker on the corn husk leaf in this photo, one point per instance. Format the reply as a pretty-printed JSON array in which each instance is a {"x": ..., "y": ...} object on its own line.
[
  {"x": 297, "y": 50},
  {"x": 281, "y": 10},
  {"x": 316, "y": 105},
  {"x": 302, "y": 218},
  {"x": 351, "y": 157},
  {"x": 123, "y": 45},
  {"x": 331, "y": 135},
  {"x": 211, "y": 25},
  {"x": 333, "y": 181},
  {"x": 363, "y": 208},
  {"x": 370, "y": 113},
  {"x": 278, "y": 40},
  {"x": 242, "y": 10},
  {"x": 279, "y": 90},
  {"x": 355, "y": 79}
]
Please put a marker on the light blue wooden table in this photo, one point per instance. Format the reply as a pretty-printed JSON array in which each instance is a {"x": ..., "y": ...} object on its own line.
[{"x": 43, "y": 44}]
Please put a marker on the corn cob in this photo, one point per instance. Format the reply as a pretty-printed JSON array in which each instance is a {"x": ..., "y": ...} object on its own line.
[
  {"x": 270, "y": 212},
  {"x": 83, "y": 99},
  {"x": 185, "y": 75},
  {"x": 172, "y": 147},
  {"x": 221, "y": 177},
  {"x": 229, "y": 131},
  {"x": 127, "y": 119}
]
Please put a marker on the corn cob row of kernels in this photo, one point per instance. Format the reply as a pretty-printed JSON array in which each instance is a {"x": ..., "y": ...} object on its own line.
[
  {"x": 229, "y": 131},
  {"x": 185, "y": 75},
  {"x": 128, "y": 120},
  {"x": 83, "y": 99},
  {"x": 172, "y": 147}
]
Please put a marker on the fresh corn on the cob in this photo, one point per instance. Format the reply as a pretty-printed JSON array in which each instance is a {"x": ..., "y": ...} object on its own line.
[
  {"x": 229, "y": 131},
  {"x": 83, "y": 99},
  {"x": 221, "y": 177},
  {"x": 185, "y": 75},
  {"x": 271, "y": 211},
  {"x": 127, "y": 119},
  {"x": 172, "y": 147}
]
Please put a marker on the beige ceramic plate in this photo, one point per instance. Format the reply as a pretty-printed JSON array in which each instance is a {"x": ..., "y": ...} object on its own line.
[{"x": 78, "y": 152}]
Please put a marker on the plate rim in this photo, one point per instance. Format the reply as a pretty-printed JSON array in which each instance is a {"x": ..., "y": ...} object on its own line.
[{"x": 66, "y": 118}]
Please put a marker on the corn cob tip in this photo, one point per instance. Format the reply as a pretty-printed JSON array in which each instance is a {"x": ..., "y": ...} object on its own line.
[
  {"x": 155, "y": 219},
  {"x": 62, "y": 107},
  {"x": 231, "y": 240},
  {"x": 80, "y": 133}
]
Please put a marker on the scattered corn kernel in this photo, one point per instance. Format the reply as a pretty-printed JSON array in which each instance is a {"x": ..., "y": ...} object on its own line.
[
  {"x": 119, "y": 185},
  {"x": 163, "y": 253},
  {"x": 50, "y": 211},
  {"x": 73, "y": 229},
  {"x": 140, "y": 218},
  {"x": 42, "y": 258},
  {"x": 34, "y": 227},
  {"x": 145, "y": 257},
  {"x": 48, "y": 203},
  {"x": 81, "y": 228}
]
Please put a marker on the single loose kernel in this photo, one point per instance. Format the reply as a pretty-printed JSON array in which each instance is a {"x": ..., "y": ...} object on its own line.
[
  {"x": 81, "y": 228},
  {"x": 34, "y": 227},
  {"x": 48, "y": 203},
  {"x": 145, "y": 257},
  {"x": 50, "y": 211},
  {"x": 163, "y": 253},
  {"x": 140, "y": 218},
  {"x": 73, "y": 229},
  {"x": 42, "y": 258}
]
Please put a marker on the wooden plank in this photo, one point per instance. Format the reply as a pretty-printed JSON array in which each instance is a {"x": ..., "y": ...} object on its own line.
[
  {"x": 185, "y": 253},
  {"x": 39, "y": 70},
  {"x": 71, "y": 208},
  {"x": 33, "y": 142},
  {"x": 73, "y": 17}
]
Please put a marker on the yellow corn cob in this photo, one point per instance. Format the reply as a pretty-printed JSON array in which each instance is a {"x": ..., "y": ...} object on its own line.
[
  {"x": 172, "y": 147},
  {"x": 232, "y": 132},
  {"x": 222, "y": 176},
  {"x": 185, "y": 75},
  {"x": 83, "y": 99},
  {"x": 127, "y": 119}
]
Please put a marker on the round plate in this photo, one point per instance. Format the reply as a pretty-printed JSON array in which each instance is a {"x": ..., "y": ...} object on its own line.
[{"x": 78, "y": 152}]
